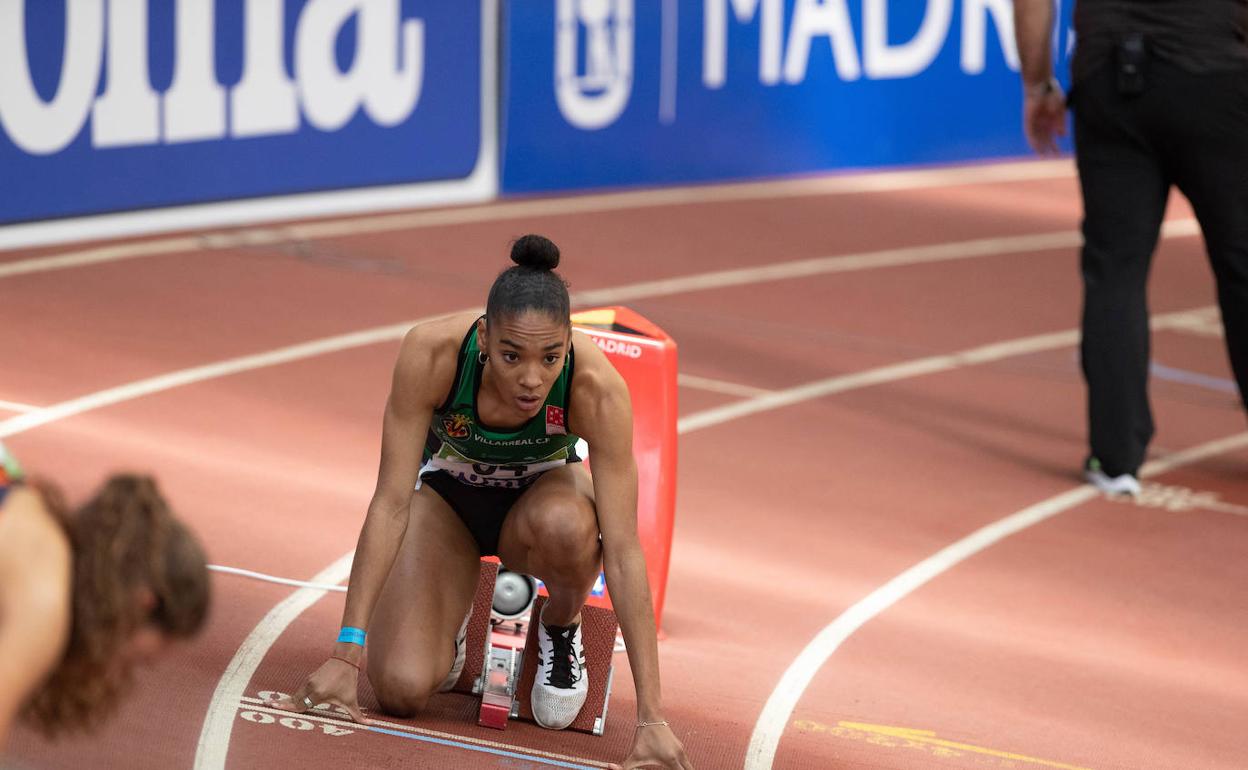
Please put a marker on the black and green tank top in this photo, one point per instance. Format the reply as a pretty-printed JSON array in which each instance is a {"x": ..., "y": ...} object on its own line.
[
  {"x": 474, "y": 453},
  {"x": 10, "y": 473}
]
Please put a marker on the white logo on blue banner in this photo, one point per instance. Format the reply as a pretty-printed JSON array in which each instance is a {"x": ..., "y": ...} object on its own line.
[
  {"x": 765, "y": 87},
  {"x": 593, "y": 96},
  {"x": 190, "y": 100}
]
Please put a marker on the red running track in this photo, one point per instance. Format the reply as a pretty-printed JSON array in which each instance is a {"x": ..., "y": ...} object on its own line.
[{"x": 1103, "y": 635}]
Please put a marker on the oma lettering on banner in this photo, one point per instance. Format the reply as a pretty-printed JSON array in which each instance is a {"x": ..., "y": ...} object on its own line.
[
  {"x": 788, "y": 59},
  {"x": 385, "y": 77}
]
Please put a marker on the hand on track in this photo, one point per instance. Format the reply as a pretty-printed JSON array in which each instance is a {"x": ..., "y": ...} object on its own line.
[
  {"x": 335, "y": 682},
  {"x": 655, "y": 746}
]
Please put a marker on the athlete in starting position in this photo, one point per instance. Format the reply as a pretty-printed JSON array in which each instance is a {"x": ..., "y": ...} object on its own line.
[{"x": 496, "y": 405}]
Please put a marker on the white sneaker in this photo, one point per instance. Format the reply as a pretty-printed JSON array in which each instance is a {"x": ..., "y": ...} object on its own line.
[
  {"x": 561, "y": 682},
  {"x": 1124, "y": 484},
  {"x": 461, "y": 654}
]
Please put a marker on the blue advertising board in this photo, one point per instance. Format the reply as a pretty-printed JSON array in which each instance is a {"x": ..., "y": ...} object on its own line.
[
  {"x": 129, "y": 104},
  {"x": 602, "y": 93}
]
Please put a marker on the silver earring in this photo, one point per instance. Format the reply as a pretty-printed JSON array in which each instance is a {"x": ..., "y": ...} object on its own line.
[{"x": 482, "y": 357}]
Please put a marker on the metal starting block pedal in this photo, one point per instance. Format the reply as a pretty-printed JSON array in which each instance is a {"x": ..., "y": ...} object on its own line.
[{"x": 498, "y": 687}]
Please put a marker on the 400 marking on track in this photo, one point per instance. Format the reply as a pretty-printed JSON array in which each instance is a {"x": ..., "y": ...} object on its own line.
[{"x": 302, "y": 723}]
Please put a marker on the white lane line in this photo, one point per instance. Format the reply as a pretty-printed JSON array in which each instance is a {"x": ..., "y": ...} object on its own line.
[
  {"x": 1224, "y": 507},
  {"x": 779, "y": 707},
  {"x": 101, "y": 254},
  {"x": 1209, "y": 325},
  {"x": 13, "y": 406},
  {"x": 842, "y": 263},
  {"x": 905, "y": 370},
  {"x": 718, "y": 386},
  {"x": 1178, "y": 499},
  {"x": 133, "y": 390},
  {"x": 845, "y": 263},
  {"x": 264, "y": 578},
  {"x": 564, "y": 206},
  {"x": 214, "y": 737},
  {"x": 719, "y": 279}
]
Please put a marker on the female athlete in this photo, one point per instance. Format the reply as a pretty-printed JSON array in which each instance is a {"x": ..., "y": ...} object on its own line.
[{"x": 479, "y": 458}]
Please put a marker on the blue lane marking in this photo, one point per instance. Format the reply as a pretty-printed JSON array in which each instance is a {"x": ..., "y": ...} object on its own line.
[
  {"x": 484, "y": 749},
  {"x": 1220, "y": 384}
]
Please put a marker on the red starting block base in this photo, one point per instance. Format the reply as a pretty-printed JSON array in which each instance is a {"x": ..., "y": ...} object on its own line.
[
  {"x": 503, "y": 674},
  {"x": 478, "y": 641}
]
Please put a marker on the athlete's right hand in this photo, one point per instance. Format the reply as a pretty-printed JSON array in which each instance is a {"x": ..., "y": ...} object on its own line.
[{"x": 336, "y": 682}]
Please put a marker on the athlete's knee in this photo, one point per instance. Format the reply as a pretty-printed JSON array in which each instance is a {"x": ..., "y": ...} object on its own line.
[
  {"x": 402, "y": 693},
  {"x": 566, "y": 533}
]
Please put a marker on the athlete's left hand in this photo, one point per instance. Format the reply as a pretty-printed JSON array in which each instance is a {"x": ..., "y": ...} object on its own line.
[{"x": 656, "y": 746}]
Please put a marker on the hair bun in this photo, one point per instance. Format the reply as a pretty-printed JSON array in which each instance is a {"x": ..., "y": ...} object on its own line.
[{"x": 535, "y": 251}]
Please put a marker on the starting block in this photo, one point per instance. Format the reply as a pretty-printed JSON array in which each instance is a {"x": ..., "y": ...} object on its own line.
[{"x": 503, "y": 674}]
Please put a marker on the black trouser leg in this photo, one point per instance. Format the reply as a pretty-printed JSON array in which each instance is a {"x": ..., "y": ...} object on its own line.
[
  {"x": 1212, "y": 171},
  {"x": 1125, "y": 187}
]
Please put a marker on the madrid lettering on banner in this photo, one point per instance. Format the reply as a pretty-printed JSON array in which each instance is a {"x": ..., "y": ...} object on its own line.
[
  {"x": 788, "y": 58},
  {"x": 384, "y": 79}
]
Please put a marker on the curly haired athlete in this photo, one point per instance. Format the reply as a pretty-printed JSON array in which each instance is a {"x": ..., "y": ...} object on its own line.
[{"x": 85, "y": 596}]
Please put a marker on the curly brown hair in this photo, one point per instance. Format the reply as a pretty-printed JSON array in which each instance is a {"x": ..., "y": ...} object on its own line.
[{"x": 125, "y": 540}]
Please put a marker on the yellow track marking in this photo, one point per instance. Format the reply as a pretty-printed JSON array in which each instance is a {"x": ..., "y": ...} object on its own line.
[{"x": 929, "y": 737}]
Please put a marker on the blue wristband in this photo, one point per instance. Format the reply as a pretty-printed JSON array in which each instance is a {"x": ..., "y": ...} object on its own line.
[{"x": 352, "y": 635}]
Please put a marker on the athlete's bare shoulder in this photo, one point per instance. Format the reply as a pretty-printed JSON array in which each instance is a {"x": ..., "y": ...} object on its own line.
[
  {"x": 593, "y": 370},
  {"x": 36, "y": 572},
  {"x": 32, "y": 543},
  {"x": 429, "y": 357},
  {"x": 442, "y": 336},
  {"x": 597, "y": 387}
]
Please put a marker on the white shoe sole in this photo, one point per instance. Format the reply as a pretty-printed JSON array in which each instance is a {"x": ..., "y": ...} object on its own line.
[{"x": 1125, "y": 484}]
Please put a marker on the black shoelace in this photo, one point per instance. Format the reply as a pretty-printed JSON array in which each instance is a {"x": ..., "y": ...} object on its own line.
[{"x": 561, "y": 674}]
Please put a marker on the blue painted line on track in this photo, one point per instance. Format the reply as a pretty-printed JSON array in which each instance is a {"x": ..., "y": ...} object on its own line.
[
  {"x": 1220, "y": 384},
  {"x": 484, "y": 749}
]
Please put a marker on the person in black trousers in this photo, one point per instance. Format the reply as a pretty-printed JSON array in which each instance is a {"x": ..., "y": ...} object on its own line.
[{"x": 1160, "y": 97}]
